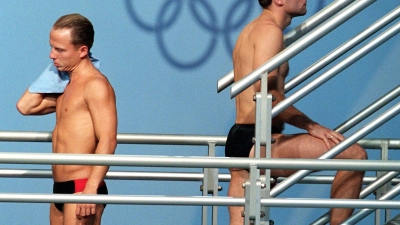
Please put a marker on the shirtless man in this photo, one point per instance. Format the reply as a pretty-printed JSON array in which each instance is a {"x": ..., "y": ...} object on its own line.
[
  {"x": 259, "y": 41},
  {"x": 86, "y": 119}
]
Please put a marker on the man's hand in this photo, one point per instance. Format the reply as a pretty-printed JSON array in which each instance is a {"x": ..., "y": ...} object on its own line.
[
  {"x": 84, "y": 210},
  {"x": 325, "y": 134}
]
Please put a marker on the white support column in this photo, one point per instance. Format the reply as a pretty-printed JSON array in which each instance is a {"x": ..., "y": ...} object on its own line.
[
  {"x": 210, "y": 186},
  {"x": 263, "y": 138},
  {"x": 252, "y": 207}
]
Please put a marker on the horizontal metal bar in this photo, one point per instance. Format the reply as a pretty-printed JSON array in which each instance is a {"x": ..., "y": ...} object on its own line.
[
  {"x": 114, "y": 175},
  {"x": 197, "y": 162},
  {"x": 330, "y": 203},
  {"x": 122, "y": 138},
  {"x": 375, "y": 143},
  {"x": 196, "y": 201},
  {"x": 25, "y": 136},
  {"x": 169, "y": 176},
  {"x": 120, "y": 199},
  {"x": 167, "y": 139}
]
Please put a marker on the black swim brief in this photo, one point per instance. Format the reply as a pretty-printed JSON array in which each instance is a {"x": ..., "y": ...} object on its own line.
[
  {"x": 240, "y": 139},
  {"x": 74, "y": 186}
]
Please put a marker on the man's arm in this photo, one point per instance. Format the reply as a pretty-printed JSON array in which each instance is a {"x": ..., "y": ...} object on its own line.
[
  {"x": 100, "y": 98},
  {"x": 37, "y": 103}
]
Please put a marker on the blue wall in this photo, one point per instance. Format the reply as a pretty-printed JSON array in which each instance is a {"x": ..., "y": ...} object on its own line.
[{"x": 164, "y": 59}]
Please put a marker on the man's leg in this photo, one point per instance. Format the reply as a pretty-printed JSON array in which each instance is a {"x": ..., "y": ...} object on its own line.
[
  {"x": 347, "y": 184},
  {"x": 238, "y": 177},
  {"x": 56, "y": 216}
]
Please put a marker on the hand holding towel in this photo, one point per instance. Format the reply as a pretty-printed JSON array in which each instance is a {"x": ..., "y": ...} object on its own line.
[{"x": 53, "y": 81}]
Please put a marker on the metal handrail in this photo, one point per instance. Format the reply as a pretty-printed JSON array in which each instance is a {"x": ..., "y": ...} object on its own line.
[
  {"x": 373, "y": 186},
  {"x": 368, "y": 210},
  {"x": 197, "y": 162},
  {"x": 369, "y": 110},
  {"x": 299, "y": 45},
  {"x": 296, "y": 33},
  {"x": 339, "y": 148},
  {"x": 345, "y": 47},
  {"x": 175, "y": 176},
  {"x": 380, "y": 39},
  {"x": 163, "y": 139},
  {"x": 123, "y": 138},
  {"x": 195, "y": 201}
]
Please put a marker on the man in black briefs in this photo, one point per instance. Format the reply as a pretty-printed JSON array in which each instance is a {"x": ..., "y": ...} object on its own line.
[
  {"x": 240, "y": 139},
  {"x": 258, "y": 42}
]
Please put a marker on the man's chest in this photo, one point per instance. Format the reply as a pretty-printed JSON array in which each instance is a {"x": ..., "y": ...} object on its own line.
[{"x": 71, "y": 101}]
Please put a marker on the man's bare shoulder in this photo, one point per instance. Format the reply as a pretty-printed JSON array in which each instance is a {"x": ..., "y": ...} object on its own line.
[
  {"x": 266, "y": 30},
  {"x": 98, "y": 85},
  {"x": 260, "y": 34}
]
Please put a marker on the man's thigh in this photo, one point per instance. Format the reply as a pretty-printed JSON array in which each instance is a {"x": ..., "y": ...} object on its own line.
[
  {"x": 302, "y": 146},
  {"x": 298, "y": 146},
  {"x": 56, "y": 216}
]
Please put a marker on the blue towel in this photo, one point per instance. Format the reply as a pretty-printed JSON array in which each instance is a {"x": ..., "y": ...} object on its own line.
[{"x": 53, "y": 81}]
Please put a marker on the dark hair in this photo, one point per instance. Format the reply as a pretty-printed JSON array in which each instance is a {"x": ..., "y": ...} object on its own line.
[
  {"x": 82, "y": 32},
  {"x": 265, "y": 3}
]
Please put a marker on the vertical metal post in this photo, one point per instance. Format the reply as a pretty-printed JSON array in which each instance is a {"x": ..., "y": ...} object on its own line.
[
  {"x": 203, "y": 188},
  {"x": 385, "y": 188},
  {"x": 263, "y": 137},
  {"x": 210, "y": 186},
  {"x": 214, "y": 183},
  {"x": 252, "y": 192},
  {"x": 267, "y": 115}
]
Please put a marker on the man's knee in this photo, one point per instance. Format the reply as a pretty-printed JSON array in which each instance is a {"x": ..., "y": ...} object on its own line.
[
  {"x": 239, "y": 174},
  {"x": 359, "y": 152}
]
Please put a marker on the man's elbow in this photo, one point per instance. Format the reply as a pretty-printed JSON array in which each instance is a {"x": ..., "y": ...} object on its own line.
[
  {"x": 113, "y": 145},
  {"x": 21, "y": 107},
  {"x": 106, "y": 145}
]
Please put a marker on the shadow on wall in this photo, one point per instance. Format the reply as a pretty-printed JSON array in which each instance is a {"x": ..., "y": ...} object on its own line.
[{"x": 239, "y": 13}]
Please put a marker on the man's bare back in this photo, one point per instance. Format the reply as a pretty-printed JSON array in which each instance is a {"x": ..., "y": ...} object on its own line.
[{"x": 252, "y": 49}]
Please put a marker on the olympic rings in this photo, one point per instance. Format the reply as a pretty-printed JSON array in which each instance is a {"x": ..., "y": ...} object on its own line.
[
  {"x": 205, "y": 16},
  {"x": 208, "y": 26},
  {"x": 159, "y": 25}
]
